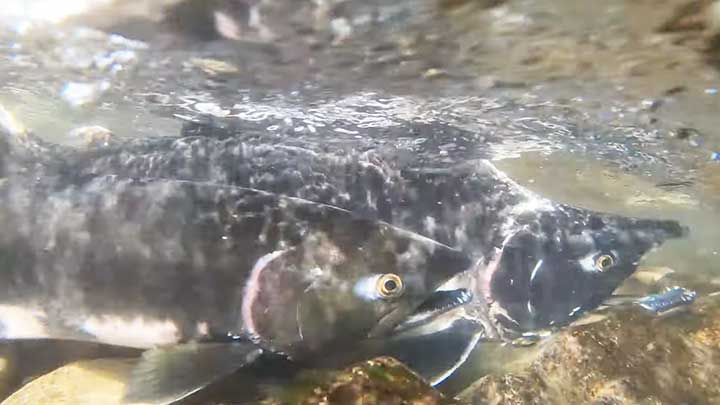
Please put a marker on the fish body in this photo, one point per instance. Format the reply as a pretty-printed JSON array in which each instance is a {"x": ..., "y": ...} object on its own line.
[
  {"x": 538, "y": 260},
  {"x": 537, "y": 263},
  {"x": 204, "y": 273}
]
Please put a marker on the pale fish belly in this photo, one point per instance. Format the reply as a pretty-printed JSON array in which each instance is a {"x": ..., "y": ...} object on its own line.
[
  {"x": 140, "y": 332},
  {"x": 17, "y": 322},
  {"x": 143, "y": 332}
]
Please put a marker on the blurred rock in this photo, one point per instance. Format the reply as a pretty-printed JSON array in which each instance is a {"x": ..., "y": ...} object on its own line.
[
  {"x": 82, "y": 383},
  {"x": 214, "y": 67},
  {"x": 651, "y": 275},
  {"x": 102, "y": 381},
  {"x": 689, "y": 15},
  {"x": 93, "y": 135},
  {"x": 628, "y": 358},
  {"x": 378, "y": 381}
]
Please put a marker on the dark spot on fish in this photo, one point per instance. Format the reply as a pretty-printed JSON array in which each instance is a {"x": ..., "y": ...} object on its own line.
[
  {"x": 401, "y": 246},
  {"x": 596, "y": 223}
]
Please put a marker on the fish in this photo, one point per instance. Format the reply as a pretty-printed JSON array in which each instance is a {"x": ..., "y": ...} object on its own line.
[
  {"x": 205, "y": 278},
  {"x": 538, "y": 263}
]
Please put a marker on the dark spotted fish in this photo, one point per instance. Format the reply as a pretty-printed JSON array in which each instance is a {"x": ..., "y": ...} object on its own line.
[
  {"x": 542, "y": 263},
  {"x": 539, "y": 263},
  {"x": 205, "y": 277}
]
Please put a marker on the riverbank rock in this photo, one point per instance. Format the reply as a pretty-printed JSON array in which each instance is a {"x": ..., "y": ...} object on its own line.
[{"x": 628, "y": 358}]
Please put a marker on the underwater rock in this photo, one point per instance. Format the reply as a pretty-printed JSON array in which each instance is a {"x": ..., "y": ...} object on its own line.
[
  {"x": 686, "y": 16},
  {"x": 383, "y": 380},
  {"x": 102, "y": 381},
  {"x": 628, "y": 358}
]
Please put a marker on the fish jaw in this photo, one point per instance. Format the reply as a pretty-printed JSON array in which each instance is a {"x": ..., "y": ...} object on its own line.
[
  {"x": 438, "y": 304},
  {"x": 446, "y": 264}
]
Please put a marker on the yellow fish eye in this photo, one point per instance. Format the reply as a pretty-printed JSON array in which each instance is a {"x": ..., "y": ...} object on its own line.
[
  {"x": 604, "y": 262},
  {"x": 389, "y": 285}
]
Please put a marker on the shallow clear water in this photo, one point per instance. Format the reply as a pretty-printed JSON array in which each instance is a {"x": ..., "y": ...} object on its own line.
[{"x": 576, "y": 102}]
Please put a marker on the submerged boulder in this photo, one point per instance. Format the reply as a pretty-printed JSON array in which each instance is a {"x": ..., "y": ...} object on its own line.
[
  {"x": 103, "y": 381},
  {"x": 383, "y": 380},
  {"x": 630, "y": 357}
]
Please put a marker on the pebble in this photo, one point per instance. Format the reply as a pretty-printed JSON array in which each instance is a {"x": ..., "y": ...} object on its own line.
[
  {"x": 214, "y": 67},
  {"x": 78, "y": 94},
  {"x": 93, "y": 135},
  {"x": 651, "y": 275},
  {"x": 101, "y": 381},
  {"x": 715, "y": 156},
  {"x": 117, "y": 58},
  {"x": 434, "y": 73},
  {"x": 211, "y": 109},
  {"x": 341, "y": 30}
]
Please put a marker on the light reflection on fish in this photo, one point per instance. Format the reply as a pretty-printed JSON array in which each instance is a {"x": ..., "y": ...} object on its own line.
[{"x": 205, "y": 276}]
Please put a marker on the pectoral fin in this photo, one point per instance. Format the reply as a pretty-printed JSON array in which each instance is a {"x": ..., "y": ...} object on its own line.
[
  {"x": 437, "y": 354},
  {"x": 168, "y": 374}
]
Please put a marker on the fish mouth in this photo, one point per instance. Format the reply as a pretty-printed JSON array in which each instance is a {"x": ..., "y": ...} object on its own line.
[{"x": 438, "y": 303}]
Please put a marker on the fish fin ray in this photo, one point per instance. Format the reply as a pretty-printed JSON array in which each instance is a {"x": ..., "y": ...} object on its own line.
[
  {"x": 167, "y": 374},
  {"x": 437, "y": 354}
]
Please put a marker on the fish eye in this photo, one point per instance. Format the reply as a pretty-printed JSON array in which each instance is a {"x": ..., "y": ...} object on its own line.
[
  {"x": 604, "y": 262},
  {"x": 389, "y": 285}
]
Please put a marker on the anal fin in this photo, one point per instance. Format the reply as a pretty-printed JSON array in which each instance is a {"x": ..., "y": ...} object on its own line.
[
  {"x": 437, "y": 354},
  {"x": 170, "y": 373}
]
